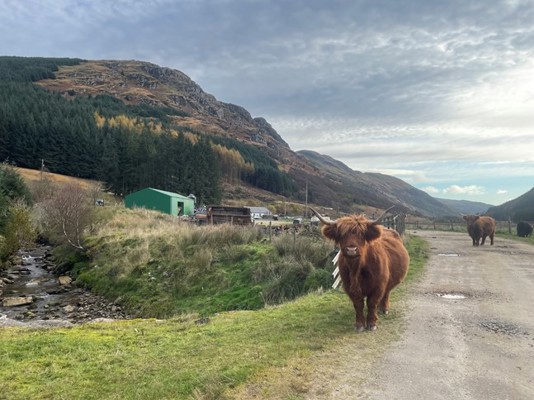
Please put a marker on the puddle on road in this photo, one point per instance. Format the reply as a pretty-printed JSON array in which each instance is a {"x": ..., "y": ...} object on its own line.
[
  {"x": 451, "y": 296},
  {"x": 448, "y": 254}
]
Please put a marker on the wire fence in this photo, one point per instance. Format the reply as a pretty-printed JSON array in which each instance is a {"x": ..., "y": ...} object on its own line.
[
  {"x": 501, "y": 226},
  {"x": 400, "y": 223}
]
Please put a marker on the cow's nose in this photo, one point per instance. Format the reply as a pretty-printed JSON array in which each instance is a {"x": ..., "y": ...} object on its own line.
[{"x": 351, "y": 251}]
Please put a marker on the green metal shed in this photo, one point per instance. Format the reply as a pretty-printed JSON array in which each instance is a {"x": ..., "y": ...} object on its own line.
[{"x": 160, "y": 200}]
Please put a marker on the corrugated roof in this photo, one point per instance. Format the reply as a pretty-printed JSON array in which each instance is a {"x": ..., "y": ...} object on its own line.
[
  {"x": 172, "y": 194},
  {"x": 262, "y": 210}
]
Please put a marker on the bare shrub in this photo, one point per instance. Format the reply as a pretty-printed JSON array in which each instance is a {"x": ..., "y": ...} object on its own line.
[{"x": 67, "y": 214}]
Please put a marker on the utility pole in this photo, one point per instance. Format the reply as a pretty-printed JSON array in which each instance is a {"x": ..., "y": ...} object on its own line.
[{"x": 306, "y": 210}]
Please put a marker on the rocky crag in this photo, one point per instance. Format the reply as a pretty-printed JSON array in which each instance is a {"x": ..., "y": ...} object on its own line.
[{"x": 329, "y": 182}]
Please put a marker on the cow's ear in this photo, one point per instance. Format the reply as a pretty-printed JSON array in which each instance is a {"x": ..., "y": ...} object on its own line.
[
  {"x": 330, "y": 231},
  {"x": 373, "y": 232}
]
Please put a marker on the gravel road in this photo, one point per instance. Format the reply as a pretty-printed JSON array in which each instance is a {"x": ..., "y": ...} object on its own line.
[{"x": 470, "y": 329}]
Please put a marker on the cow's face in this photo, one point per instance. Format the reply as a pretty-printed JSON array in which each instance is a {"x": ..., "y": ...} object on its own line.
[
  {"x": 471, "y": 219},
  {"x": 352, "y": 234}
]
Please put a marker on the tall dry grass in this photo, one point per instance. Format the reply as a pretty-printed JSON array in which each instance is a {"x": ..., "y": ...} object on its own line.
[
  {"x": 147, "y": 235},
  {"x": 162, "y": 266}
]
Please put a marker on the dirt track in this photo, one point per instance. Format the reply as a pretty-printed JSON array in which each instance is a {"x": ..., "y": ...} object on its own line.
[{"x": 470, "y": 330}]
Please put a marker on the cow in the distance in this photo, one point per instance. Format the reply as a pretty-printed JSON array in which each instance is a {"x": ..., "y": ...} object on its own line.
[
  {"x": 524, "y": 229},
  {"x": 479, "y": 228},
  {"x": 372, "y": 261}
]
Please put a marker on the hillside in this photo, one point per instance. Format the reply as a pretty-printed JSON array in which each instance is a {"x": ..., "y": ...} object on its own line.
[
  {"x": 377, "y": 189},
  {"x": 126, "y": 123},
  {"x": 32, "y": 176},
  {"x": 521, "y": 208},
  {"x": 136, "y": 82},
  {"x": 466, "y": 207}
]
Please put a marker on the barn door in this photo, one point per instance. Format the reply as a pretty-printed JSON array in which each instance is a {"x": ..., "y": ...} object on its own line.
[{"x": 180, "y": 208}]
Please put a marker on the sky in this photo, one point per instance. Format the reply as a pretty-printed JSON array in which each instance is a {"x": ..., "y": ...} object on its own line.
[{"x": 438, "y": 93}]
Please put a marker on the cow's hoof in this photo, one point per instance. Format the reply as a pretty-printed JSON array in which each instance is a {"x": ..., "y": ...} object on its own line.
[
  {"x": 372, "y": 328},
  {"x": 360, "y": 329}
]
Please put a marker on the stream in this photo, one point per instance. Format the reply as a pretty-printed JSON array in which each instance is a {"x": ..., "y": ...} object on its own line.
[{"x": 32, "y": 295}]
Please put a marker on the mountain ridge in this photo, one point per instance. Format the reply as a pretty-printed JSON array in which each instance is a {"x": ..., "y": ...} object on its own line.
[
  {"x": 325, "y": 180},
  {"x": 518, "y": 209},
  {"x": 466, "y": 206}
]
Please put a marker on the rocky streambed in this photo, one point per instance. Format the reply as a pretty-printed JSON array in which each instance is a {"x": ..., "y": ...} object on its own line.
[{"x": 32, "y": 295}]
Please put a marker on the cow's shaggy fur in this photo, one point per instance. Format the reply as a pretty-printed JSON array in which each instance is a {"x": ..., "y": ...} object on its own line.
[
  {"x": 524, "y": 229},
  {"x": 479, "y": 228},
  {"x": 372, "y": 261}
]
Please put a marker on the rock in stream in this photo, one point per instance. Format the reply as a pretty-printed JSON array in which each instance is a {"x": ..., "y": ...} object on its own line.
[{"x": 31, "y": 295}]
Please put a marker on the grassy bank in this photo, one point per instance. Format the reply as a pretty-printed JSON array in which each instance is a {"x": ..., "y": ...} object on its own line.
[
  {"x": 156, "y": 266},
  {"x": 189, "y": 357}
]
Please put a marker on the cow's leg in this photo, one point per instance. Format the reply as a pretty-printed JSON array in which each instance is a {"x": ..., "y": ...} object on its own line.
[
  {"x": 483, "y": 240},
  {"x": 360, "y": 319},
  {"x": 372, "y": 307},
  {"x": 384, "y": 303},
  {"x": 357, "y": 302},
  {"x": 355, "y": 295},
  {"x": 491, "y": 238}
]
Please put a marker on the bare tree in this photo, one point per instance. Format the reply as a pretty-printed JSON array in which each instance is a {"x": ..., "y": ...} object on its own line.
[{"x": 68, "y": 213}]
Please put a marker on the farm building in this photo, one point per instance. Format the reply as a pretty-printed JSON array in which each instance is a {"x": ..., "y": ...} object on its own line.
[
  {"x": 227, "y": 214},
  {"x": 160, "y": 200},
  {"x": 258, "y": 212}
]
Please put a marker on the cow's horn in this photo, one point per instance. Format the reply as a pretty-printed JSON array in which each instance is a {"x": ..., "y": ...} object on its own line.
[
  {"x": 379, "y": 219},
  {"x": 321, "y": 218}
]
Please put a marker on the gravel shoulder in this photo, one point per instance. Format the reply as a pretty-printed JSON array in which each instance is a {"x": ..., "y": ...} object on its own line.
[{"x": 469, "y": 330}]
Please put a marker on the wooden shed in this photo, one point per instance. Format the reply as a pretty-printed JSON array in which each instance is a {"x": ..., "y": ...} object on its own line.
[
  {"x": 160, "y": 200},
  {"x": 227, "y": 214}
]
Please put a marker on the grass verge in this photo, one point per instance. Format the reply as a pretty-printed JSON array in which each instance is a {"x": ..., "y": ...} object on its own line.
[{"x": 223, "y": 357}]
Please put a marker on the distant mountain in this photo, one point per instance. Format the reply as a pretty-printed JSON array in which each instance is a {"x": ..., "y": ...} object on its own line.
[
  {"x": 466, "y": 206},
  {"x": 380, "y": 190},
  {"x": 519, "y": 209},
  {"x": 119, "y": 99}
]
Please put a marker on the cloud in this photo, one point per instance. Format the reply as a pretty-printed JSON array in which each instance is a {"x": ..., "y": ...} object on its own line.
[
  {"x": 434, "y": 93},
  {"x": 468, "y": 190},
  {"x": 431, "y": 190},
  {"x": 502, "y": 191}
]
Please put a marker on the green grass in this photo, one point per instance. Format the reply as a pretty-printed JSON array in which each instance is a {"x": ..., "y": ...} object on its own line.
[
  {"x": 513, "y": 236},
  {"x": 157, "y": 267},
  {"x": 168, "y": 359},
  {"x": 418, "y": 249},
  {"x": 189, "y": 357}
]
